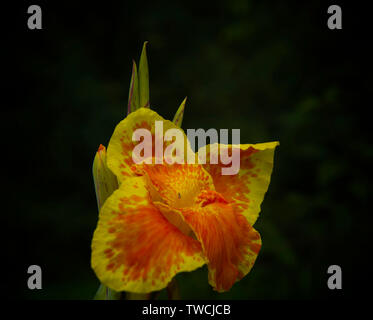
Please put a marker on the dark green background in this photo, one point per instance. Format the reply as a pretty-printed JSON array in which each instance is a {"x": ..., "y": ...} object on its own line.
[{"x": 273, "y": 70}]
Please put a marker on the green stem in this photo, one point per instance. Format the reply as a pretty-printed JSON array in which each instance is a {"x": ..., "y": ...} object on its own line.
[
  {"x": 173, "y": 290},
  {"x": 141, "y": 296}
]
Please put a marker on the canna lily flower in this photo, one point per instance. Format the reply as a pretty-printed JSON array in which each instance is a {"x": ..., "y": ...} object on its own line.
[{"x": 157, "y": 220}]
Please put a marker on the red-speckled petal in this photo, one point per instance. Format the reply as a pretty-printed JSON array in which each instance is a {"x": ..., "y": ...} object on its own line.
[{"x": 135, "y": 248}]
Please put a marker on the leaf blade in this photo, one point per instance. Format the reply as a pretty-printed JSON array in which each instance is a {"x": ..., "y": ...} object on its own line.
[
  {"x": 144, "y": 78},
  {"x": 178, "y": 118},
  {"x": 133, "y": 94}
]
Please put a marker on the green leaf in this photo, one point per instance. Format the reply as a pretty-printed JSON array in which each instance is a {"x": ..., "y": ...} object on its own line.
[
  {"x": 144, "y": 78},
  {"x": 133, "y": 95},
  {"x": 178, "y": 118},
  {"x": 173, "y": 290},
  {"x": 104, "y": 293}
]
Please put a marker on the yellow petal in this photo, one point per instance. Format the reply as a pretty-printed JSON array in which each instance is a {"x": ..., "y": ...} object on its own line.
[
  {"x": 229, "y": 242},
  {"x": 186, "y": 196},
  {"x": 120, "y": 154},
  {"x": 246, "y": 189},
  {"x": 134, "y": 247}
]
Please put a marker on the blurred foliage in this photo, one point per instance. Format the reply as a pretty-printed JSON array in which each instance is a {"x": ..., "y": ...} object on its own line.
[{"x": 271, "y": 69}]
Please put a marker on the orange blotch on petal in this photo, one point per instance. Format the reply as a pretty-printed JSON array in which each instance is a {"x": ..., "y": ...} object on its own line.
[
  {"x": 145, "y": 245},
  {"x": 135, "y": 248},
  {"x": 177, "y": 185},
  {"x": 233, "y": 187},
  {"x": 246, "y": 189},
  {"x": 229, "y": 242}
]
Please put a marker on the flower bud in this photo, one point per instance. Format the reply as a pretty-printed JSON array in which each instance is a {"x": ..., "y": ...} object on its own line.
[{"x": 105, "y": 181}]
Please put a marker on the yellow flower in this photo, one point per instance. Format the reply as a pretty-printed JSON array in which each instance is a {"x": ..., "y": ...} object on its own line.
[{"x": 169, "y": 218}]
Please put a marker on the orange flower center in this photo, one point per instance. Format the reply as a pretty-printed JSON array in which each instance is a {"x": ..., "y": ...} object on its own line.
[
  {"x": 176, "y": 187},
  {"x": 209, "y": 196}
]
